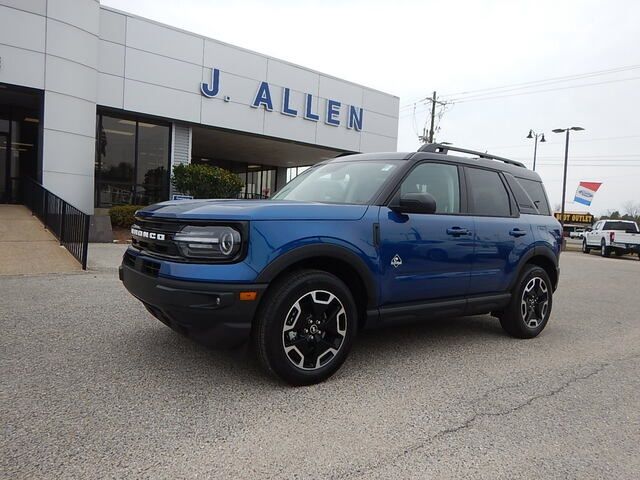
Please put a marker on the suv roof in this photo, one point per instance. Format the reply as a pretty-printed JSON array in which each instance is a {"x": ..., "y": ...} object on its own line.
[{"x": 436, "y": 151}]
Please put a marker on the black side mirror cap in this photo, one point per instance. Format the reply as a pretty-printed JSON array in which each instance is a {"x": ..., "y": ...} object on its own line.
[{"x": 414, "y": 203}]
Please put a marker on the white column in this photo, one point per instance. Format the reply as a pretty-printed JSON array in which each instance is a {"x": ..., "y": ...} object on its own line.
[
  {"x": 69, "y": 120},
  {"x": 181, "y": 140}
]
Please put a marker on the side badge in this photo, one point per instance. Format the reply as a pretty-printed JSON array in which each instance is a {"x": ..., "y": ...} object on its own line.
[{"x": 396, "y": 261}]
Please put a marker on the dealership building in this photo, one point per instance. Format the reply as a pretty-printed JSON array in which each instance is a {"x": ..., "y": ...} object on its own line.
[{"x": 97, "y": 105}]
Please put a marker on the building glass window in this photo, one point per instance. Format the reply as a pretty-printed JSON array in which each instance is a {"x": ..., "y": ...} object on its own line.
[{"x": 132, "y": 161}]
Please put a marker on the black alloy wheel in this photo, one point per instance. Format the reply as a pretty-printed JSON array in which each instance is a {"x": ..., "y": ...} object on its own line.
[
  {"x": 529, "y": 309},
  {"x": 314, "y": 330},
  {"x": 305, "y": 327},
  {"x": 534, "y": 302}
]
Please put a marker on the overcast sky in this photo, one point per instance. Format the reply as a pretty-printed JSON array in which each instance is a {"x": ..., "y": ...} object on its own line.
[{"x": 410, "y": 48}]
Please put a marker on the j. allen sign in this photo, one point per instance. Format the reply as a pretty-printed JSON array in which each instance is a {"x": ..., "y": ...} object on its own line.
[{"x": 262, "y": 98}]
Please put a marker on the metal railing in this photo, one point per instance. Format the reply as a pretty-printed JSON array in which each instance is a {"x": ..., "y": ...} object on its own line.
[
  {"x": 66, "y": 222},
  {"x": 251, "y": 196}
]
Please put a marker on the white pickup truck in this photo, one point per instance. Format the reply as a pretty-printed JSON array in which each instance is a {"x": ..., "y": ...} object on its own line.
[{"x": 617, "y": 236}]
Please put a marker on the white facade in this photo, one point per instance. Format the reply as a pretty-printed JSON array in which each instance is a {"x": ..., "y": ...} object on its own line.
[{"x": 84, "y": 56}]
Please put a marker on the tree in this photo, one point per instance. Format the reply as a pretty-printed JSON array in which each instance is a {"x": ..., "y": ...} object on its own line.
[
  {"x": 204, "y": 181},
  {"x": 631, "y": 208}
]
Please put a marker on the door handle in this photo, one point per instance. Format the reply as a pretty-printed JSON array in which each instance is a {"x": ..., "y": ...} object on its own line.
[
  {"x": 457, "y": 231},
  {"x": 516, "y": 232}
]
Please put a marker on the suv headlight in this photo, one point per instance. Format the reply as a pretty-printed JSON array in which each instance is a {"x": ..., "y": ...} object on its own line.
[{"x": 209, "y": 242}]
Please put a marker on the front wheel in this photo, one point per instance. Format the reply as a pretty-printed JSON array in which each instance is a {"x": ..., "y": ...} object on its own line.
[
  {"x": 305, "y": 327},
  {"x": 530, "y": 307},
  {"x": 585, "y": 247}
]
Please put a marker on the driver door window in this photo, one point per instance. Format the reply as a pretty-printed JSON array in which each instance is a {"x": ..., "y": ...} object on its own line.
[{"x": 438, "y": 179}]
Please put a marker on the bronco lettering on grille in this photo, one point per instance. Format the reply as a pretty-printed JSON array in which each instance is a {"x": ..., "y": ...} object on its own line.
[{"x": 136, "y": 232}]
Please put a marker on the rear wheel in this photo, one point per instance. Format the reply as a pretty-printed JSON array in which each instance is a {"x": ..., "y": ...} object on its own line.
[
  {"x": 604, "y": 250},
  {"x": 530, "y": 307},
  {"x": 305, "y": 327},
  {"x": 585, "y": 247}
]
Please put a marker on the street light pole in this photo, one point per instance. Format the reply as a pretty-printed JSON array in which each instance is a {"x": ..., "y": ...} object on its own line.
[
  {"x": 564, "y": 178},
  {"x": 535, "y": 135},
  {"x": 566, "y": 162}
]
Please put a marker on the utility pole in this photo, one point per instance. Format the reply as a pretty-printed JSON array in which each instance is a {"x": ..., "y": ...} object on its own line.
[{"x": 433, "y": 117}]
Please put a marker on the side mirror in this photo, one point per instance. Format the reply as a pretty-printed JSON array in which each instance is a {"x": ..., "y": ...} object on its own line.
[{"x": 415, "y": 203}]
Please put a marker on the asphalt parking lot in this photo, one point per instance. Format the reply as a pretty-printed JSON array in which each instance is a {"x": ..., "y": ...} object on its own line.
[{"x": 93, "y": 387}]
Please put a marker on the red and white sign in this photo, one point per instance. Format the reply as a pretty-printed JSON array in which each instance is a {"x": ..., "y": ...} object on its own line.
[{"x": 586, "y": 192}]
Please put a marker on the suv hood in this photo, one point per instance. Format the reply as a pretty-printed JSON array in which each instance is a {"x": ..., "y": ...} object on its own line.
[{"x": 251, "y": 210}]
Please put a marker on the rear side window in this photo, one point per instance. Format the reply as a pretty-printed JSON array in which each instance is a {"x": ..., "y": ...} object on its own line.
[
  {"x": 488, "y": 194},
  {"x": 535, "y": 190},
  {"x": 525, "y": 203}
]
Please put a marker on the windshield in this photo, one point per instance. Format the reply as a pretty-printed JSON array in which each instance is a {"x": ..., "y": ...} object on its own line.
[
  {"x": 354, "y": 182},
  {"x": 628, "y": 227}
]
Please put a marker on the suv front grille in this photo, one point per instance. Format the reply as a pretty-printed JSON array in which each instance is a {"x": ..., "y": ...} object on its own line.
[{"x": 166, "y": 247}]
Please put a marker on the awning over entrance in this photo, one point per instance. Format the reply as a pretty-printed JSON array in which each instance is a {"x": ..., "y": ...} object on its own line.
[
  {"x": 224, "y": 145},
  {"x": 261, "y": 162}
]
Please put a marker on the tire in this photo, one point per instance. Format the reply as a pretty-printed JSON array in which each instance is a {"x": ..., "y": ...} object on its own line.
[
  {"x": 530, "y": 307},
  {"x": 305, "y": 327},
  {"x": 585, "y": 247},
  {"x": 604, "y": 250}
]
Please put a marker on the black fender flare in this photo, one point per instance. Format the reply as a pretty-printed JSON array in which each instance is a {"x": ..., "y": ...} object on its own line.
[
  {"x": 536, "y": 251},
  {"x": 277, "y": 266}
]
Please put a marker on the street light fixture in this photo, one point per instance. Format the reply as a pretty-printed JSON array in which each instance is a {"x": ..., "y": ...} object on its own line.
[
  {"x": 564, "y": 176},
  {"x": 535, "y": 135}
]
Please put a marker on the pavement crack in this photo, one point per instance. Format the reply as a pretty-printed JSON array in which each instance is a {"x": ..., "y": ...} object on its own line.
[{"x": 475, "y": 417}]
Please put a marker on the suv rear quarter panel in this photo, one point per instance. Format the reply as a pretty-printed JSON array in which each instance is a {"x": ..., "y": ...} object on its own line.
[{"x": 546, "y": 232}]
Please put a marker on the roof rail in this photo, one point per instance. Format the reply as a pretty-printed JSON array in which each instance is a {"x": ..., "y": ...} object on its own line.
[
  {"x": 444, "y": 149},
  {"x": 344, "y": 154}
]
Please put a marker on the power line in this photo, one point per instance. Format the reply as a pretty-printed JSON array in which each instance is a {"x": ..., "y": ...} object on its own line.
[
  {"x": 570, "y": 87},
  {"x": 599, "y": 139},
  {"x": 465, "y": 100},
  {"x": 551, "y": 80},
  {"x": 590, "y": 165},
  {"x": 533, "y": 83},
  {"x": 617, "y": 158}
]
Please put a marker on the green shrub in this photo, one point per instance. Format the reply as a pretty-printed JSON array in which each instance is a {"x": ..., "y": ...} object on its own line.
[
  {"x": 122, "y": 215},
  {"x": 204, "y": 181}
]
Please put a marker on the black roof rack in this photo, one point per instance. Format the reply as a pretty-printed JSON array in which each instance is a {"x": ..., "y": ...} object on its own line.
[
  {"x": 439, "y": 148},
  {"x": 344, "y": 154}
]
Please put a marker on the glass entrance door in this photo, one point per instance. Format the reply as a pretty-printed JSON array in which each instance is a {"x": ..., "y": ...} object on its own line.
[
  {"x": 4, "y": 167},
  {"x": 19, "y": 137}
]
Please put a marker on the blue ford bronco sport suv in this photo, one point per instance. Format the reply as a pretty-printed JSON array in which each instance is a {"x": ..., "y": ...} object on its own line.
[{"x": 362, "y": 240}]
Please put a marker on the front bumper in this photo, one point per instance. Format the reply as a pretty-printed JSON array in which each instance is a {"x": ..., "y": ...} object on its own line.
[{"x": 210, "y": 312}]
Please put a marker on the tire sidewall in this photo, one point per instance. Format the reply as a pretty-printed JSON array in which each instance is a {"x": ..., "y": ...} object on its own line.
[
  {"x": 515, "y": 324},
  {"x": 603, "y": 249},
  {"x": 274, "y": 315}
]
